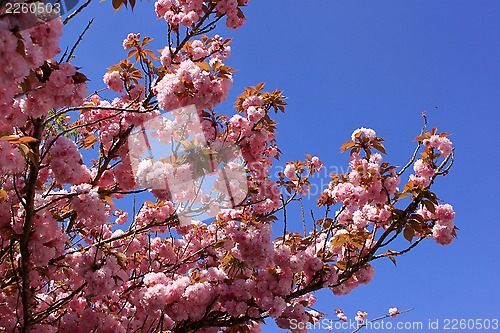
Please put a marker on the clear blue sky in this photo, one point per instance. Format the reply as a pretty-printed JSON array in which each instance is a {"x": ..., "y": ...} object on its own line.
[{"x": 378, "y": 64}]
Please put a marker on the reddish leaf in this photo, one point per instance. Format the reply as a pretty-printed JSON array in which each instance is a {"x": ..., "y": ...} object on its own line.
[
  {"x": 79, "y": 78},
  {"x": 380, "y": 147},
  {"x": 117, "y": 4},
  {"x": 347, "y": 145},
  {"x": 409, "y": 233},
  {"x": 430, "y": 206}
]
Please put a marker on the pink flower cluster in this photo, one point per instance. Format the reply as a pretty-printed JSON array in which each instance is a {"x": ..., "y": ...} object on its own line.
[
  {"x": 441, "y": 143},
  {"x": 363, "y": 276},
  {"x": 187, "y": 12},
  {"x": 235, "y": 17},
  {"x": 61, "y": 89},
  {"x": 158, "y": 214},
  {"x": 393, "y": 312},
  {"x": 91, "y": 210},
  {"x": 154, "y": 174},
  {"x": 361, "y": 316},
  {"x": 341, "y": 315},
  {"x": 363, "y": 192},
  {"x": 114, "y": 81},
  {"x": 188, "y": 85},
  {"x": 443, "y": 230},
  {"x": 257, "y": 150},
  {"x": 11, "y": 160},
  {"x": 253, "y": 244},
  {"x": 290, "y": 170},
  {"x": 48, "y": 241},
  {"x": 369, "y": 133},
  {"x": 38, "y": 44},
  {"x": 131, "y": 41},
  {"x": 423, "y": 173},
  {"x": 66, "y": 162}
]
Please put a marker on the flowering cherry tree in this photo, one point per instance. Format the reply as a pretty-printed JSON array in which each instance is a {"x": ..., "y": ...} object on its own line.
[{"x": 72, "y": 261}]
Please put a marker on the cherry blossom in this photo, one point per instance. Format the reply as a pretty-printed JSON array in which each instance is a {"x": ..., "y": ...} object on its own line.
[{"x": 98, "y": 236}]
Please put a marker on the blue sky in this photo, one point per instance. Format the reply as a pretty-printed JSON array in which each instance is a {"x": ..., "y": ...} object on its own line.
[{"x": 378, "y": 64}]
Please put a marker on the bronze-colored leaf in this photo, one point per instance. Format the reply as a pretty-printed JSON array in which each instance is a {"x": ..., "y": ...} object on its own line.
[
  {"x": 204, "y": 65},
  {"x": 16, "y": 139},
  {"x": 409, "y": 233},
  {"x": 89, "y": 142},
  {"x": 20, "y": 48},
  {"x": 27, "y": 139},
  {"x": 380, "y": 147},
  {"x": 79, "y": 78},
  {"x": 339, "y": 240},
  {"x": 429, "y": 205},
  {"x": 393, "y": 260},
  {"x": 347, "y": 145},
  {"x": 117, "y": 4},
  {"x": 132, "y": 53}
]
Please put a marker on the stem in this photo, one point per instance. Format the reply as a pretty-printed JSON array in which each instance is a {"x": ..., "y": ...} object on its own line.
[
  {"x": 380, "y": 318},
  {"x": 34, "y": 167}
]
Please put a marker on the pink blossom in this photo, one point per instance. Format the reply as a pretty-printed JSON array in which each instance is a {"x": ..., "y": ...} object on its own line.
[
  {"x": 129, "y": 41},
  {"x": 442, "y": 234},
  {"x": 361, "y": 316},
  {"x": 422, "y": 169},
  {"x": 443, "y": 144},
  {"x": 365, "y": 274},
  {"x": 66, "y": 162},
  {"x": 393, "y": 312},
  {"x": 255, "y": 114},
  {"x": 367, "y": 132},
  {"x": 445, "y": 214},
  {"x": 11, "y": 160},
  {"x": 90, "y": 274},
  {"x": 290, "y": 171},
  {"x": 114, "y": 81},
  {"x": 341, "y": 315},
  {"x": 315, "y": 161}
]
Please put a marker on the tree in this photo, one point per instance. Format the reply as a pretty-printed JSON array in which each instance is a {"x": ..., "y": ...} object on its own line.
[{"x": 72, "y": 261}]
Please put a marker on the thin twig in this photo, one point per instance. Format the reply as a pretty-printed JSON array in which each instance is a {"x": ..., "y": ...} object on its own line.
[
  {"x": 80, "y": 38},
  {"x": 380, "y": 318},
  {"x": 82, "y": 7},
  {"x": 394, "y": 253},
  {"x": 303, "y": 217},
  {"x": 284, "y": 219},
  {"x": 410, "y": 162}
]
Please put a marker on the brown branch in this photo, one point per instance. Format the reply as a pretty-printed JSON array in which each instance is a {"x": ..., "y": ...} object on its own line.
[
  {"x": 398, "y": 253},
  {"x": 379, "y": 318},
  {"x": 412, "y": 159},
  {"x": 80, "y": 38},
  {"x": 82, "y": 7},
  {"x": 34, "y": 166},
  {"x": 111, "y": 154},
  {"x": 129, "y": 233},
  {"x": 54, "y": 307}
]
